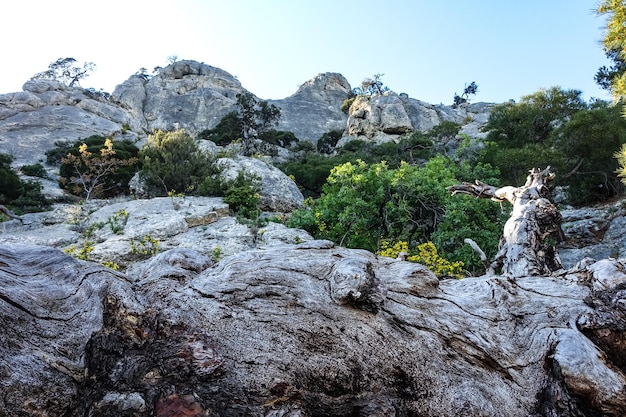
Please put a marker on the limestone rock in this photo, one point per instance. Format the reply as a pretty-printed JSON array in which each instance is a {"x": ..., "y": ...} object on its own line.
[
  {"x": 48, "y": 111},
  {"x": 386, "y": 117},
  {"x": 315, "y": 108},
  {"x": 279, "y": 193},
  {"x": 186, "y": 94},
  {"x": 594, "y": 232}
]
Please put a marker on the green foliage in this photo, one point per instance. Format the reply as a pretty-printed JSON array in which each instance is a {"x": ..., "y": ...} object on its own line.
[
  {"x": 620, "y": 156},
  {"x": 227, "y": 130},
  {"x": 242, "y": 195},
  {"x": 217, "y": 254},
  {"x": 256, "y": 117},
  {"x": 312, "y": 169},
  {"x": 91, "y": 168},
  {"x": 173, "y": 161},
  {"x": 117, "y": 222},
  {"x": 614, "y": 43},
  {"x": 279, "y": 138},
  {"x": 363, "y": 204},
  {"x": 557, "y": 128},
  {"x": 587, "y": 145},
  {"x": 17, "y": 195},
  {"x": 34, "y": 170},
  {"x": 327, "y": 142},
  {"x": 347, "y": 103}
]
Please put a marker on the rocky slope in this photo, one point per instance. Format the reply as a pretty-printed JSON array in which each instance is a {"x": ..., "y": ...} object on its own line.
[
  {"x": 195, "y": 96},
  {"x": 209, "y": 316}
]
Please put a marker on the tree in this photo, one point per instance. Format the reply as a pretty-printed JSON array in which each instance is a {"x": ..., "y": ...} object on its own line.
[
  {"x": 255, "y": 117},
  {"x": 370, "y": 86},
  {"x": 526, "y": 134},
  {"x": 614, "y": 43},
  {"x": 64, "y": 70},
  {"x": 528, "y": 244},
  {"x": 471, "y": 89},
  {"x": 91, "y": 170},
  {"x": 364, "y": 204}
]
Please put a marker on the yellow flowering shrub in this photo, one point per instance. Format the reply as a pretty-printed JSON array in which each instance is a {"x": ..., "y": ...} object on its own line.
[{"x": 425, "y": 254}]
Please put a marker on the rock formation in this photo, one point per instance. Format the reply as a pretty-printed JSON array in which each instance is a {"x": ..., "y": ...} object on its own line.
[
  {"x": 195, "y": 96},
  {"x": 386, "y": 117},
  {"x": 315, "y": 108}
]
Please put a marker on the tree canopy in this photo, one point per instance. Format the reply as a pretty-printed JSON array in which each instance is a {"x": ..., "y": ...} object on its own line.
[{"x": 64, "y": 70}]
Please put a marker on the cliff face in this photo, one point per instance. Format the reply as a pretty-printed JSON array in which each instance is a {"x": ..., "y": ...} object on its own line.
[{"x": 195, "y": 96}]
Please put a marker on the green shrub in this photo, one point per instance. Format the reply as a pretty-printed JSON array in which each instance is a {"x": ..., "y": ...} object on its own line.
[
  {"x": 35, "y": 170},
  {"x": 327, "y": 142},
  {"x": 242, "y": 195},
  {"x": 173, "y": 161},
  {"x": 17, "y": 195},
  {"x": 363, "y": 204},
  {"x": 227, "y": 130},
  {"x": 89, "y": 168}
]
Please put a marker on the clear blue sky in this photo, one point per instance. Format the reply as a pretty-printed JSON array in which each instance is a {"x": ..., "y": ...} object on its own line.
[{"x": 428, "y": 49}]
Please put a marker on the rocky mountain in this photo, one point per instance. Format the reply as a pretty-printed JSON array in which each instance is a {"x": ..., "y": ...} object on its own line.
[
  {"x": 195, "y": 96},
  {"x": 199, "y": 314}
]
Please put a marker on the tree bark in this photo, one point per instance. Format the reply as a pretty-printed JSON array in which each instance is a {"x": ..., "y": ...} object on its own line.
[
  {"x": 528, "y": 243},
  {"x": 305, "y": 330}
]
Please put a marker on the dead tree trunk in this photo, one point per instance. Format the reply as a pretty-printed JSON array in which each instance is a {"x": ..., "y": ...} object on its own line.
[{"x": 528, "y": 243}]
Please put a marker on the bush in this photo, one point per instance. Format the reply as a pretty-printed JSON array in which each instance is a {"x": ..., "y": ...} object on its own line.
[
  {"x": 227, "y": 130},
  {"x": 242, "y": 195},
  {"x": 556, "y": 128},
  {"x": 98, "y": 170},
  {"x": 35, "y": 170},
  {"x": 173, "y": 161},
  {"x": 327, "y": 142},
  {"x": 363, "y": 204},
  {"x": 17, "y": 195},
  {"x": 79, "y": 168}
]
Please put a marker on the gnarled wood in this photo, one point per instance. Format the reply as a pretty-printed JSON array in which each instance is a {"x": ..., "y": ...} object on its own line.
[
  {"x": 528, "y": 243},
  {"x": 282, "y": 331}
]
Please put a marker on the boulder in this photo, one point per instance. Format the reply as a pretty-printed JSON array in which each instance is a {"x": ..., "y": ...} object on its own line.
[{"x": 279, "y": 193}]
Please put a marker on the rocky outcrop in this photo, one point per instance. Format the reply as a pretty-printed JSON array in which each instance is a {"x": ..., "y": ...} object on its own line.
[
  {"x": 279, "y": 193},
  {"x": 315, "y": 108},
  {"x": 122, "y": 232},
  {"x": 48, "y": 111},
  {"x": 186, "y": 94},
  {"x": 386, "y": 117},
  {"x": 302, "y": 330},
  {"x": 594, "y": 232}
]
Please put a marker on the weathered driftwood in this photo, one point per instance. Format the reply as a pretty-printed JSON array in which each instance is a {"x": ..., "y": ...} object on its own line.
[
  {"x": 303, "y": 330},
  {"x": 528, "y": 244}
]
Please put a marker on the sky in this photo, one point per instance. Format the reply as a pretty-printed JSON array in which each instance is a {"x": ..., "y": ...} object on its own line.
[{"x": 428, "y": 49}]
